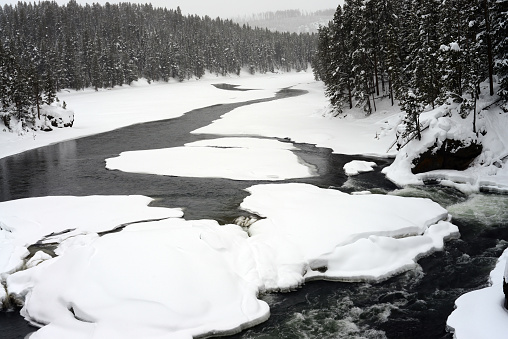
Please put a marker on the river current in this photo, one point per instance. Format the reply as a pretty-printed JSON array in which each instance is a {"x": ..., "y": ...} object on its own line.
[{"x": 414, "y": 304}]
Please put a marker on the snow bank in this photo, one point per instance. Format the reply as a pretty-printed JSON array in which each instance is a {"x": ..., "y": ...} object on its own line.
[
  {"x": 109, "y": 109},
  {"x": 51, "y": 116},
  {"x": 357, "y": 166},
  {"x": 305, "y": 119},
  {"x": 166, "y": 279},
  {"x": 310, "y": 233},
  {"x": 489, "y": 171},
  {"x": 480, "y": 314},
  {"x": 52, "y": 219},
  {"x": 232, "y": 158}
]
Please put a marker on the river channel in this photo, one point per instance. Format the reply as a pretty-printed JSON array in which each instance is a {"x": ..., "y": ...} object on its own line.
[{"x": 411, "y": 305}]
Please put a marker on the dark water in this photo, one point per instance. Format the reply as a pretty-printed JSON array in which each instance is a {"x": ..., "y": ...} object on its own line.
[{"x": 412, "y": 305}]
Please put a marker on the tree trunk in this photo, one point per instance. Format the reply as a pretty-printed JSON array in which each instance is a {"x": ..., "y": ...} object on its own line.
[
  {"x": 350, "y": 96},
  {"x": 390, "y": 87},
  {"x": 474, "y": 116},
  {"x": 489, "y": 46},
  {"x": 375, "y": 74},
  {"x": 37, "y": 102}
]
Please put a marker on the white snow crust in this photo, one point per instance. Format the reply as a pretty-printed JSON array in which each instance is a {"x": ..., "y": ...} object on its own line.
[
  {"x": 232, "y": 158},
  {"x": 481, "y": 314},
  {"x": 52, "y": 219},
  {"x": 175, "y": 278},
  {"x": 357, "y": 166},
  {"x": 165, "y": 279},
  {"x": 307, "y": 119},
  {"x": 309, "y": 233},
  {"x": 355, "y": 237}
]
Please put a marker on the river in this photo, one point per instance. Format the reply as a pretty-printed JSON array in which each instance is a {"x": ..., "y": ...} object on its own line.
[{"x": 411, "y": 305}]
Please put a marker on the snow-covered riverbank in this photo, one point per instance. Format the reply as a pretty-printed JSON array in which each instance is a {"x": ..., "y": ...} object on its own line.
[
  {"x": 308, "y": 233},
  {"x": 109, "y": 109}
]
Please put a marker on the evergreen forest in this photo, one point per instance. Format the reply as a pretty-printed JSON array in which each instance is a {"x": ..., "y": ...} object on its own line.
[
  {"x": 422, "y": 53},
  {"x": 45, "y": 47}
]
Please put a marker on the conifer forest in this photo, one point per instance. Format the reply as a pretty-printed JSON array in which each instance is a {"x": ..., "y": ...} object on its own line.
[
  {"x": 45, "y": 47},
  {"x": 420, "y": 52}
]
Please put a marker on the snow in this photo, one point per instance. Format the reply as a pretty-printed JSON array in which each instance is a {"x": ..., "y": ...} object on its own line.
[
  {"x": 489, "y": 171},
  {"x": 318, "y": 228},
  {"x": 232, "y": 158},
  {"x": 177, "y": 278},
  {"x": 52, "y": 219},
  {"x": 167, "y": 279},
  {"x": 306, "y": 119},
  {"x": 109, "y": 109},
  {"x": 357, "y": 166},
  {"x": 480, "y": 314}
]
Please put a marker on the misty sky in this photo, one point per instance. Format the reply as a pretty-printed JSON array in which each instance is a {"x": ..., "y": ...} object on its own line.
[{"x": 223, "y": 8}]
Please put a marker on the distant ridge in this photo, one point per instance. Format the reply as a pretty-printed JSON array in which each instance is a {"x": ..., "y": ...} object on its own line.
[{"x": 293, "y": 20}]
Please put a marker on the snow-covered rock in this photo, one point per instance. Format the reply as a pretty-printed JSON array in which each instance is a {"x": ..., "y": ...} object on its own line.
[
  {"x": 58, "y": 116},
  {"x": 357, "y": 166},
  {"x": 481, "y": 313},
  {"x": 488, "y": 172}
]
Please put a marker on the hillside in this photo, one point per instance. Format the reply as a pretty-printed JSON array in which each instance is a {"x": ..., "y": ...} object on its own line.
[{"x": 293, "y": 21}]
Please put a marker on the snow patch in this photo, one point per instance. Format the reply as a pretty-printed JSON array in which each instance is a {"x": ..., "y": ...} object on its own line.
[
  {"x": 357, "y": 166},
  {"x": 481, "y": 314},
  {"x": 25, "y": 222},
  {"x": 333, "y": 235},
  {"x": 184, "y": 279},
  {"x": 232, "y": 158}
]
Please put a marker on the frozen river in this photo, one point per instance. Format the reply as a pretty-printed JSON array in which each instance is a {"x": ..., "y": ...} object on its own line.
[{"x": 411, "y": 305}]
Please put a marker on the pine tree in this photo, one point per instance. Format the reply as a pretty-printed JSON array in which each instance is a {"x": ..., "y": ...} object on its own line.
[
  {"x": 413, "y": 105},
  {"x": 499, "y": 25}
]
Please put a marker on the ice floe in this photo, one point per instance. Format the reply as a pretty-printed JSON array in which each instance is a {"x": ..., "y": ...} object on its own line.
[
  {"x": 176, "y": 278},
  {"x": 231, "y": 158},
  {"x": 325, "y": 233}
]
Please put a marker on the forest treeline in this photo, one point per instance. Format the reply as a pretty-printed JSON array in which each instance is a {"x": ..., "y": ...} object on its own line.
[
  {"x": 45, "y": 47},
  {"x": 420, "y": 52}
]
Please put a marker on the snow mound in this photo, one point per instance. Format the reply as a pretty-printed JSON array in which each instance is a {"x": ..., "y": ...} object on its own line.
[
  {"x": 254, "y": 159},
  {"x": 310, "y": 233},
  {"x": 25, "y": 222},
  {"x": 357, "y": 166},
  {"x": 165, "y": 279},
  {"x": 58, "y": 116},
  {"x": 476, "y": 311},
  {"x": 174, "y": 278}
]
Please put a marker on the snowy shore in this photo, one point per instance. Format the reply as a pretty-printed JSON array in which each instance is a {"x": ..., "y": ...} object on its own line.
[{"x": 221, "y": 268}]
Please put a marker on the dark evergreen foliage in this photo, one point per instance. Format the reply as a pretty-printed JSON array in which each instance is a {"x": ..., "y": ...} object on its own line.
[
  {"x": 421, "y": 52},
  {"x": 45, "y": 47}
]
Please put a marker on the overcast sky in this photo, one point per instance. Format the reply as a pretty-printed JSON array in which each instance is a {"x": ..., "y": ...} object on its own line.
[{"x": 223, "y": 8}]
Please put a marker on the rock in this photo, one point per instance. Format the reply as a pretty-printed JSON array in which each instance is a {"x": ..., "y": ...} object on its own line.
[
  {"x": 59, "y": 117},
  {"x": 453, "y": 154},
  {"x": 505, "y": 290}
]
